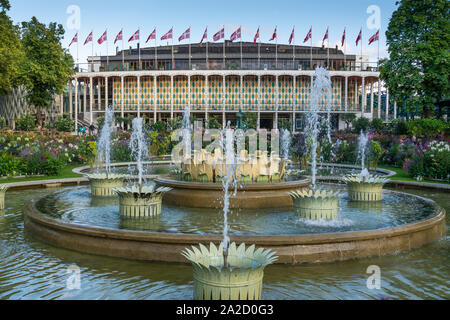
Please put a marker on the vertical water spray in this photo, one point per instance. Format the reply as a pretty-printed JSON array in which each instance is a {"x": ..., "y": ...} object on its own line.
[
  {"x": 139, "y": 149},
  {"x": 104, "y": 142},
  {"x": 285, "y": 143},
  {"x": 363, "y": 141},
  {"x": 186, "y": 125}
]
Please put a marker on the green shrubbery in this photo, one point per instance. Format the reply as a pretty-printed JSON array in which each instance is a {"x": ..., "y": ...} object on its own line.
[
  {"x": 64, "y": 124},
  {"x": 426, "y": 127},
  {"x": 27, "y": 122}
]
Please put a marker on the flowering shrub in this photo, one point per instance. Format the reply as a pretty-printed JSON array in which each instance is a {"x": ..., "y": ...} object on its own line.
[{"x": 433, "y": 162}]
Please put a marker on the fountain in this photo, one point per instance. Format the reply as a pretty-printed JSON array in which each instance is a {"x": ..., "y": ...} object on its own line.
[
  {"x": 315, "y": 203},
  {"x": 102, "y": 184},
  {"x": 364, "y": 186},
  {"x": 3, "y": 189},
  {"x": 140, "y": 201},
  {"x": 227, "y": 272}
]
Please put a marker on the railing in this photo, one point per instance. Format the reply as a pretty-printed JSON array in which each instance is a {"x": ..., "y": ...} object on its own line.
[{"x": 247, "y": 65}]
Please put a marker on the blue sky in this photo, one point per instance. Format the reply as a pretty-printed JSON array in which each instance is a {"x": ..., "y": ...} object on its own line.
[{"x": 114, "y": 15}]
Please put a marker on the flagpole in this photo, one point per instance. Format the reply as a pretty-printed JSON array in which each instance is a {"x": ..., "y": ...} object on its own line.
[
  {"x": 276, "y": 47},
  {"x": 139, "y": 43},
  {"x": 78, "y": 60},
  {"x": 240, "y": 28},
  {"x": 173, "y": 61},
  {"x": 207, "y": 62},
  {"x": 345, "y": 62},
  {"x": 311, "y": 50},
  {"x": 107, "y": 56},
  {"x": 259, "y": 50},
  {"x": 189, "y": 47},
  {"x": 123, "y": 54},
  {"x": 92, "y": 59},
  {"x": 293, "y": 48},
  {"x": 224, "y": 47},
  {"x": 378, "y": 62},
  {"x": 156, "y": 52},
  {"x": 328, "y": 49}
]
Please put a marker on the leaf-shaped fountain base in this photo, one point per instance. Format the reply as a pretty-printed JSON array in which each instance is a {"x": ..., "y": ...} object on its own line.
[
  {"x": 316, "y": 204},
  {"x": 102, "y": 185},
  {"x": 241, "y": 279},
  {"x": 3, "y": 189},
  {"x": 369, "y": 188}
]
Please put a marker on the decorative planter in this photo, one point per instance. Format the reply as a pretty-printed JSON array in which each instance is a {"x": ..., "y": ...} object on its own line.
[
  {"x": 102, "y": 186},
  {"x": 365, "y": 188},
  {"x": 140, "y": 204},
  {"x": 316, "y": 204},
  {"x": 240, "y": 280},
  {"x": 3, "y": 189}
]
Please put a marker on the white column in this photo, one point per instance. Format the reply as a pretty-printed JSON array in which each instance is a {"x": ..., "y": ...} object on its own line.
[
  {"x": 379, "y": 98},
  {"x": 70, "y": 99},
  {"x": 224, "y": 124},
  {"x": 356, "y": 92},
  {"x": 84, "y": 96},
  {"x": 189, "y": 92},
  {"x": 294, "y": 105},
  {"x": 346, "y": 94},
  {"x": 91, "y": 99},
  {"x": 258, "y": 125},
  {"x": 122, "y": 102},
  {"x": 76, "y": 105},
  {"x": 155, "y": 90},
  {"x": 240, "y": 91},
  {"x": 61, "y": 102},
  {"x": 206, "y": 97},
  {"x": 138, "y": 96},
  {"x": 106, "y": 93},
  {"x": 171, "y": 97},
  {"x": 99, "y": 95},
  {"x": 387, "y": 104},
  {"x": 371, "y": 99},
  {"x": 275, "y": 126},
  {"x": 363, "y": 99}
]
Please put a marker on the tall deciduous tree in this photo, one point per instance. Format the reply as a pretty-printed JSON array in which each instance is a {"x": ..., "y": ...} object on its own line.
[
  {"x": 418, "y": 37},
  {"x": 47, "y": 67},
  {"x": 10, "y": 49}
]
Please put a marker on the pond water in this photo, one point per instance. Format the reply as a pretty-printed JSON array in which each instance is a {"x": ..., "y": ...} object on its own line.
[{"x": 32, "y": 270}]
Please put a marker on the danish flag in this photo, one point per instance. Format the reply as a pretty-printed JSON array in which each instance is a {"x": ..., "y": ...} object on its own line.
[
  {"x": 134, "y": 37},
  {"x": 359, "y": 37},
  {"x": 168, "y": 35},
  {"x": 205, "y": 35},
  {"x": 325, "y": 36},
  {"x": 308, "y": 36},
  {"x": 219, "y": 35},
  {"x": 75, "y": 39},
  {"x": 103, "y": 38},
  {"x": 343, "y": 39},
  {"x": 236, "y": 35},
  {"x": 375, "y": 37},
  {"x": 185, "y": 35},
  {"x": 152, "y": 36},
  {"x": 274, "y": 35},
  {"x": 119, "y": 36},
  {"x": 291, "y": 38},
  {"x": 89, "y": 38},
  {"x": 256, "y": 36}
]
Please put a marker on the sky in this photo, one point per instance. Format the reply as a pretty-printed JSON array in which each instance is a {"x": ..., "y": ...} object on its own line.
[{"x": 131, "y": 15}]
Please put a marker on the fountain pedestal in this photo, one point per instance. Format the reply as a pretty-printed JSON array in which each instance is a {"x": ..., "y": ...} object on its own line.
[
  {"x": 3, "y": 189},
  {"x": 102, "y": 186},
  {"x": 135, "y": 203},
  {"x": 368, "y": 188},
  {"x": 317, "y": 204},
  {"x": 240, "y": 280}
]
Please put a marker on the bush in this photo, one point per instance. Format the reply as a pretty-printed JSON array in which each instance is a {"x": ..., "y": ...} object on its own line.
[
  {"x": 2, "y": 122},
  {"x": 426, "y": 127},
  {"x": 213, "y": 123},
  {"x": 285, "y": 124},
  {"x": 64, "y": 124},
  {"x": 10, "y": 165},
  {"x": 433, "y": 163},
  {"x": 360, "y": 124},
  {"x": 26, "y": 122},
  {"x": 376, "y": 152},
  {"x": 397, "y": 127},
  {"x": 377, "y": 125}
]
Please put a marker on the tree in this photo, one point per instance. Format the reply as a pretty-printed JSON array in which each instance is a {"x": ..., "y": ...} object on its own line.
[
  {"x": 11, "y": 54},
  {"x": 47, "y": 67},
  {"x": 418, "y": 38}
]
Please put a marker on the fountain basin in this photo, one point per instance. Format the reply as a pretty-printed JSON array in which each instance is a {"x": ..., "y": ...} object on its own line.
[
  {"x": 3, "y": 189},
  {"x": 248, "y": 196},
  {"x": 136, "y": 203},
  {"x": 241, "y": 280},
  {"x": 317, "y": 204},
  {"x": 102, "y": 185}
]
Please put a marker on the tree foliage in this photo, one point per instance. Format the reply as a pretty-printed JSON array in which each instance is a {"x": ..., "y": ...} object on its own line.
[
  {"x": 47, "y": 67},
  {"x": 418, "y": 38}
]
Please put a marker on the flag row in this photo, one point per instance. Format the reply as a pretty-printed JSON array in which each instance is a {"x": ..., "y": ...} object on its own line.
[{"x": 216, "y": 37}]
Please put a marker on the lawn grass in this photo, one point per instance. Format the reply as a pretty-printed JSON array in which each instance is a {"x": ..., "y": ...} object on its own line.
[
  {"x": 402, "y": 175},
  {"x": 66, "y": 172}
]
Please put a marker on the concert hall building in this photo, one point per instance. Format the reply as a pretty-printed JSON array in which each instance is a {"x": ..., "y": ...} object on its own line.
[{"x": 272, "y": 80}]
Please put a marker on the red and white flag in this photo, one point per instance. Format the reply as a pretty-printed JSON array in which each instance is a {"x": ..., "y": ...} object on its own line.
[
  {"x": 205, "y": 35},
  {"x": 256, "y": 36},
  {"x": 359, "y": 37},
  {"x": 75, "y": 39},
  {"x": 185, "y": 35},
  {"x": 308, "y": 36},
  {"x": 103, "y": 38},
  {"x": 119, "y": 36},
  {"x": 135, "y": 36},
  {"x": 152, "y": 36},
  {"x": 375, "y": 37},
  {"x": 236, "y": 35},
  {"x": 325, "y": 37},
  {"x": 343, "y": 39},
  {"x": 89, "y": 38},
  {"x": 219, "y": 35},
  {"x": 168, "y": 35},
  {"x": 274, "y": 35},
  {"x": 291, "y": 38}
]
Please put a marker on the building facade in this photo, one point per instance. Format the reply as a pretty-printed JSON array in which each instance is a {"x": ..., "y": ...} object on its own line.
[{"x": 273, "y": 81}]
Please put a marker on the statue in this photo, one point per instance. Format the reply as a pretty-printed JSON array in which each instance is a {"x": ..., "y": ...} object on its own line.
[{"x": 239, "y": 116}]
